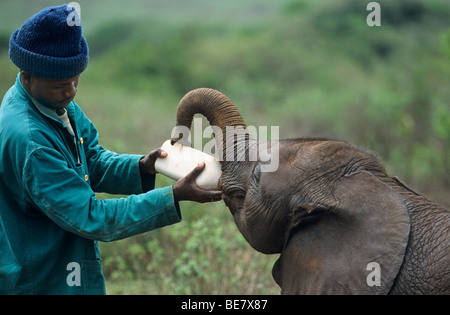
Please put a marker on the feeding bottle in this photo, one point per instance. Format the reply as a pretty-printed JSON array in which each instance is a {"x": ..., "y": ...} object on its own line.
[{"x": 181, "y": 160}]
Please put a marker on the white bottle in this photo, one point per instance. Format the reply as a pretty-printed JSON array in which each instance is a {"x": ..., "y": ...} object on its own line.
[{"x": 181, "y": 160}]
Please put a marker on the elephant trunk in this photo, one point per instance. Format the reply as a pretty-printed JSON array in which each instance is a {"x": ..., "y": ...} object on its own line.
[
  {"x": 218, "y": 109},
  {"x": 239, "y": 150}
]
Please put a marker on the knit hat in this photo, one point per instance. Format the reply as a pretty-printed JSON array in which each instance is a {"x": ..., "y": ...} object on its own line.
[{"x": 47, "y": 46}]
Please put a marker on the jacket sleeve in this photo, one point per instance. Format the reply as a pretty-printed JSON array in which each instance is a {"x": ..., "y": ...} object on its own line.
[
  {"x": 110, "y": 172},
  {"x": 114, "y": 173},
  {"x": 67, "y": 199}
]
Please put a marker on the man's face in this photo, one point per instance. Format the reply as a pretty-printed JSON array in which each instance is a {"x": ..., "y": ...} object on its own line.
[{"x": 49, "y": 92}]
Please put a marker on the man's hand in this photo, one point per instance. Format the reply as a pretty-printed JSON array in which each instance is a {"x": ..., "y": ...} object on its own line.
[
  {"x": 147, "y": 163},
  {"x": 186, "y": 188}
]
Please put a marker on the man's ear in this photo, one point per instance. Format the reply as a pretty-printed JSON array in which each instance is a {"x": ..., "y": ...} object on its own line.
[{"x": 25, "y": 79}]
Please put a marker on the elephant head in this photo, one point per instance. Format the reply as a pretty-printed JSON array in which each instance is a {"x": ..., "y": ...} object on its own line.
[{"x": 326, "y": 208}]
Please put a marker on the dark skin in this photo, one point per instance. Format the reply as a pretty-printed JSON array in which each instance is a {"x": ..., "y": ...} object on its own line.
[{"x": 57, "y": 95}]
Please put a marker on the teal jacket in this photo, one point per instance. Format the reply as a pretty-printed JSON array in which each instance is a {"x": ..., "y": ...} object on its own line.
[{"x": 50, "y": 218}]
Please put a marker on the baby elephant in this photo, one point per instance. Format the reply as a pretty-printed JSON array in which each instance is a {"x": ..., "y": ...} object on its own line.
[{"x": 340, "y": 223}]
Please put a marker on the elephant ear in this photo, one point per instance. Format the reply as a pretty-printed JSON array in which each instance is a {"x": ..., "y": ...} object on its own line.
[{"x": 356, "y": 246}]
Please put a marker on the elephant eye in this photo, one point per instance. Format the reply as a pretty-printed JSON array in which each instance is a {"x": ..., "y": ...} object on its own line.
[
  {"x": 240, "y": 195},
  {"x": 234, "y": 193},
  {"x": 234, "y": 199},
  {"x": 237, "y": 193},
  {"x": 256, "y": 174}
]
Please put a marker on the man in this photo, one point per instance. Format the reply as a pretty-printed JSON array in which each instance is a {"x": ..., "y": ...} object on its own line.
[{"x": 51, "y": 164}]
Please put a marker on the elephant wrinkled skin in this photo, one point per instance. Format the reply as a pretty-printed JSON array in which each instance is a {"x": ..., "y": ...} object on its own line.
[{"x": 330, "y": 210}]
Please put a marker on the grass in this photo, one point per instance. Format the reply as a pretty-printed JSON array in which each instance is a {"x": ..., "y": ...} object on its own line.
[{"x": 205, "y": 254}]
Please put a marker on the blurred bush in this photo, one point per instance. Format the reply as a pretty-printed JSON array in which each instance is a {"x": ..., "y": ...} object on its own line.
[
  {"x": 316, "y": 70},
  {"x": 204, "y": 255}
]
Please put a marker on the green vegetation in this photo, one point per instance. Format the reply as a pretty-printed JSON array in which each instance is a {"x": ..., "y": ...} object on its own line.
[
  {"x": 200, "y": 256},
  {"x": 314, "y": 68}
]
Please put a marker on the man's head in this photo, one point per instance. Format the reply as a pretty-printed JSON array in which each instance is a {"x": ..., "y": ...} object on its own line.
[
  {"x": 51, "y": 54},
  {"x": 51, "y": 93}
]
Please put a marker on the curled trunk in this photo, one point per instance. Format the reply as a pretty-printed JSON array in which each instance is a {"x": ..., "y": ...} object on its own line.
[
  {"x": 217, "y": 108},
  {"x": 233, "y": 144}
]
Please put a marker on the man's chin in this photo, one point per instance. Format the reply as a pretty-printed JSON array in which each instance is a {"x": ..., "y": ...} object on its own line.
[{"x": 58, "y": 106}]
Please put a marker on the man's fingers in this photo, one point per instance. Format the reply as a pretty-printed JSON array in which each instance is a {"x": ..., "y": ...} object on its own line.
[
  {"x": 196, "y": 171},
  {"x": 215, "y": 195},
  {"x": 162, "y": 154},
  {"x": 158, "y": 153}
]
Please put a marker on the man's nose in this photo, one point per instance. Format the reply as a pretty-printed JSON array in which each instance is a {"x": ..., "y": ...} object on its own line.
[{"x": 71, "y": 90}]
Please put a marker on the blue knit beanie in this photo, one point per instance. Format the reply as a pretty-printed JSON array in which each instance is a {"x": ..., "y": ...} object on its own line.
[{"x": 47, "y": 46}]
